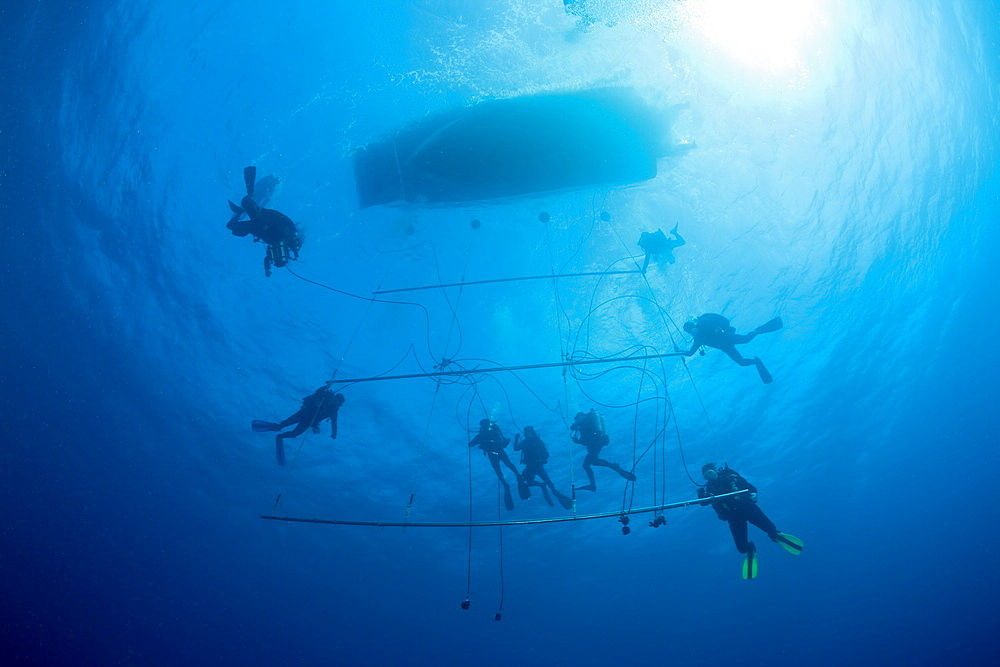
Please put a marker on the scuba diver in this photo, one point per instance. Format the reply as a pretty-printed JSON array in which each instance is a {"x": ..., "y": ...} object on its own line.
[
  {"x": 534, "y": 456},
  {"x": 715, "y": 331},
  {"x": 317, "y": 406},
  {"x": 657, "y": 243},
  {"x": 492, "y": 441},
  {"x": 740, "y": 509},
  {"x": 273, "y": 228},
  {"x": 590, "y": 432}
]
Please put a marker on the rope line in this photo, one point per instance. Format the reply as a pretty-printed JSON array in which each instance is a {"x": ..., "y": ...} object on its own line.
[
  {"x": 505, "y": 280},
  {"x": 498, "y": 369},
  {"x": 487, "y": 524}
]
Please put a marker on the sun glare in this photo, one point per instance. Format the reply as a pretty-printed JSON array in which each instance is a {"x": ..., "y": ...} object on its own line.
[{"x": 767, "y": 33}]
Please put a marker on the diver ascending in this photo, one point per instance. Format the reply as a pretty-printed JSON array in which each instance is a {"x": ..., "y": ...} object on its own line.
[
  {"x": 739, "y": 510},
  {"x": 590, "y": 432},
  {"x": 317, "y": 406},
  {"x": 273, "y": 228},
  {"x": 715, "y": 331},
  {"x": 534, "y": 456},
  {"x": 492, "y": 441}
]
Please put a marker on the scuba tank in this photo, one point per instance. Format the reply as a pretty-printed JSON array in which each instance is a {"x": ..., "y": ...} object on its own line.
[{"x": 278, "y": 253}]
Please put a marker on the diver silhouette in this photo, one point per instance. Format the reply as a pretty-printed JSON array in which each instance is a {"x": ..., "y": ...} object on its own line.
[
  {"x": 273, "y": 228},
  {"x": 317, "y": 406},
  {"x": 591, "y": 433},
  {"x": 492, "y": 441},
  {"x": 715, "y": 331},
  {"x": 534, "y": 456}
]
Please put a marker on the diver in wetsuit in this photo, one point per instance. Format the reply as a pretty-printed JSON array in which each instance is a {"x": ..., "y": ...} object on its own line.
[
  {"x": 657, "y": 243},
  {"x": 534, "y": 456},
  {"x": 589, "y": 431},
  {"x": 317, "y": 406},
  {"x": 715, "y": 331},
  {"x": 740, "y": 510},
  {"x": 492, "y": 441},
  {"x": 273, "y": 228}
]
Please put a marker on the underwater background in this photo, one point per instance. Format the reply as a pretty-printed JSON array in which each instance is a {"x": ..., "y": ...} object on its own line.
[{"x": 842, "y": 176}]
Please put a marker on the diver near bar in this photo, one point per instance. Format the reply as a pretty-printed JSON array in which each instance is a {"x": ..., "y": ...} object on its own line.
[
  {"x": 273, "y": 228},
  {"x": 492, "y": 441},
  {"x": 534, "y": 456},
  {"x": 590, "y": 432},
  {"x": 657, "y": 243},
  {"x": 320, "y": 405},
  {"x": 715, "y": 331},
  {"x": 740, "y": 510}
]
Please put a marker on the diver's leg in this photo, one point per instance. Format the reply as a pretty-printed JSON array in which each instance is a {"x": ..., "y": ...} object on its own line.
[
  {"x": 495, "y": 462},
  {"x": 756, "y": 516},
  {"x": 507, "y": 462},
  {"x": 614, "y": 466},
  {"x": 294, "y": 419},
  {"x": 297, "y": 431},
  {"x": 591, "y": 457},
  {"x": 738, "y": 527},
  {"x": 737, "y": 357},
  {"x": 528, "y": 475},
  {"x": 250, "y": 207}
]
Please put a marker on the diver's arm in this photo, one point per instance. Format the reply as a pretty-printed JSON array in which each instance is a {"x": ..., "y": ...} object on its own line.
[{"x": 694, "y": 348}]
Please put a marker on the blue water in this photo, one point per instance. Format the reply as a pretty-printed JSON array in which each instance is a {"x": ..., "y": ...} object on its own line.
[{"x": 844, "y": 179}]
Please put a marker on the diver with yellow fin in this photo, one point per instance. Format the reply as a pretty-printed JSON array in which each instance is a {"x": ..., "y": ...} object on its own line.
[
  {"x": 273, "y": 228},
  {"x": 714, "y": 330},
  {"x": 740, "y": 510}
]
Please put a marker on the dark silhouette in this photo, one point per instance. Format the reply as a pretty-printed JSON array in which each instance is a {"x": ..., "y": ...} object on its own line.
[
  {"x": 715, "y": 331},
  {"x": 657, "y": 243},
  {"x": 590, "y": 432},
  {"x": 534, "y": 456},
  {"x": 321, "y": 404},
  {"x": 273, "y": 228},
  {"x": 740, "y": 510},
  {"x": 492, "y": 441}
]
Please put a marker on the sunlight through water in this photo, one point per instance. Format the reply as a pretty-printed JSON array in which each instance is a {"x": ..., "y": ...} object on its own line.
[{"x": 769, "y": 35}]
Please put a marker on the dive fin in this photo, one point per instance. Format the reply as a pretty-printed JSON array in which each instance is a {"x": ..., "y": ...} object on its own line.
[
  {"x": 750, "y": 565},
  {"x": 566, "y": 503},
  {"x": 508, "y": 500},
  {"x": 522, "y": 489},
  {"x": 260, "y": 426},
  {"x": 765, "y": 375},
  {"x": 770, "y": 326},
  {"x": 789, "y": 543},
  {"x": 279, "y": 450},
  {"x": 250, "y": 177}
]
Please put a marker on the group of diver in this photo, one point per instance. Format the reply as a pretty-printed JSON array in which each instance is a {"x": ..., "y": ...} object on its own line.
[{"x": 732, "y": 497}]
